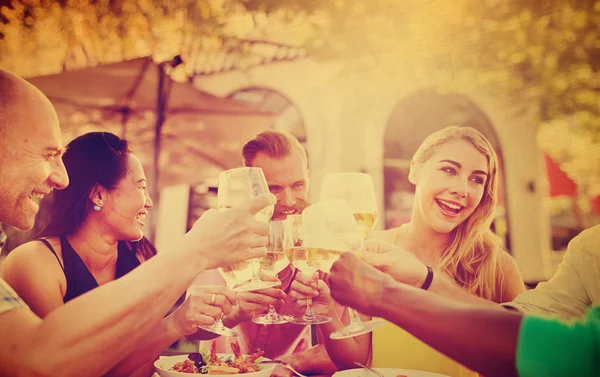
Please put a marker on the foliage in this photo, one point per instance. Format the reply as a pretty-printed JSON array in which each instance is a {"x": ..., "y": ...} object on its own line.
[{"x": 546, "y": 48}]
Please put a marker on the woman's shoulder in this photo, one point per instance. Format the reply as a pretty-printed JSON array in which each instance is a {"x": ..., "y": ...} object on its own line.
[
  {"x": 33, "y": 260},
  {"x": 37, "y": 250}
]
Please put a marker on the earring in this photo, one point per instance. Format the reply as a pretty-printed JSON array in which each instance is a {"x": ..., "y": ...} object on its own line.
[{"x": 98, "y": 207}]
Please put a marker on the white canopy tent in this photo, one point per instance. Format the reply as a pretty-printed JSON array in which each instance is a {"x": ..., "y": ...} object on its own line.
[{"x": 185, "y": 134}]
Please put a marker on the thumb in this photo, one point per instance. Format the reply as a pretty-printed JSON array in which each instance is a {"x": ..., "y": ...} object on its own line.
[
  {"x": 256, "y": 204},
  {"x": 267, "y": 277},
  {"x": 376, "y": 247},
  {"x": 376, "y": 260},
  {"x": 321, "y": 286}
]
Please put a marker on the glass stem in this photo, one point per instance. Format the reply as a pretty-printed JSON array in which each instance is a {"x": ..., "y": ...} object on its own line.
[
  {"x": 355, "y": 321},
  {"x": 219, "y": 322},
  {"x": 309, "y": 315}
]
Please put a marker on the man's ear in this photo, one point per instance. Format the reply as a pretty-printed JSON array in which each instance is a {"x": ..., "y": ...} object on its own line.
[
  {"x": 414, "y": 173},
  {"x": 98, "y": 195}
]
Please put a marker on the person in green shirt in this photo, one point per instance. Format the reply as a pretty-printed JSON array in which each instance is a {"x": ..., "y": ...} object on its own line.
[{"x": 491, "y": 341}]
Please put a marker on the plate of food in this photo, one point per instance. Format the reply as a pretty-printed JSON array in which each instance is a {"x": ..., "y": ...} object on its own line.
[
  {"x": 215, "y": 364},
  {"x": 387, "y": 372}
]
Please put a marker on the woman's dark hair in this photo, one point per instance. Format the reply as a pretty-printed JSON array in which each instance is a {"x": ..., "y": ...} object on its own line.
[
  {"x": 96, "y": 158},
  {"x": 143, "y": 247}
]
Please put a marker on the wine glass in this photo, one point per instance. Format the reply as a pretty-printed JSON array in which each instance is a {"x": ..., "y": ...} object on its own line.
[
  {"x": 300, "y": 258},
  {"x": 217, "y": 327},
  {"x": 275, "y": 262},
  {"x": 357, "y": 190},
  {"x": 237, "y": 186}
]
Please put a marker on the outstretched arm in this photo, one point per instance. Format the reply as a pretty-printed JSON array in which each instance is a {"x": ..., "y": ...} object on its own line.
[
  {"x": 483, "y": 339},
  {"x": 94, "y": 331}
]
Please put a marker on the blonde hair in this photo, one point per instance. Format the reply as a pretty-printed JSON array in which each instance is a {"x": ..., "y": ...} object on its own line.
[
  {"x": 273, "y": 143},
  {"x": 473, "y": 256}
]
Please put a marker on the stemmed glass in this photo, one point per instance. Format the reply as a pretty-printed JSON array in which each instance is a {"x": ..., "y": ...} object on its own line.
[
  {"x": 275, "y": 262},
  {"x": 217, "y": 327},
  {"x": 300, "y": 258},
  {"x": 237, "y": 186},
  {"x": 358, "y": 191}
]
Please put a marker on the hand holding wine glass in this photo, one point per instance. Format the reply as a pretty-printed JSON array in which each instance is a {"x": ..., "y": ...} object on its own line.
[
  {"x": 275, "y": 262},
  {"x": 358, "y": 191},
  {"x": 236, "y": 233},
  {"x": 403, "y": 266},
  {"x": 328, "y": 230},
  {"x": 203, "y": 306},
  {"x": 305, "y": 287},
  {"x": 237, "y": 186}
]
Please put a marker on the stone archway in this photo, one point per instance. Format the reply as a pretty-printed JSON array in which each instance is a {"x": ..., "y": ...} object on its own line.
[
  {"x": 289, "y": 117},
  {"x": 410, "y": 122}
]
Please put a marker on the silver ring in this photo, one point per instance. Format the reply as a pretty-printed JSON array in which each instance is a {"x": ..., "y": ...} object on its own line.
[{"x": 213, "y": 298}]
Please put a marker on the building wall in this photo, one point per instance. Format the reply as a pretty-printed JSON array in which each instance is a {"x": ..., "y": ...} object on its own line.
[{"x": 346, "y": 112}]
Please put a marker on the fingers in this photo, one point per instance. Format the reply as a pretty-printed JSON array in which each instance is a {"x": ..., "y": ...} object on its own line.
[
  {"x": 255, "y": 308},
  {"x": 260, "y": 228},
  {"x": 224, "y": 291},
  {"x": 212, "y": 301},
  {"x": 256, "y": 204},
  {"x": 269, "y": 296},
  {"x": 307, "y": 280},
  {"x": 375, "y": 260},
  {"x": 274, "y": 292},
  {"x": 200, "y": 319},
  {"x": 256, "y": 240},
  {"x": 376, "y": 247},
  {"x": 302, "y": 290},
  {"x": 267, "y": 277},
  {"x": 257, "y": 252},
  {"x": 346, "y": 262}
]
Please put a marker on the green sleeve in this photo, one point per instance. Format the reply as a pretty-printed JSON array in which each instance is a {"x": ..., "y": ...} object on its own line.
[{"x": 552, "y": 348}]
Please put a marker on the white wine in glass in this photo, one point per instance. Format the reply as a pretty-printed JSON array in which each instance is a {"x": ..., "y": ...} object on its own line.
[
  {"x": 366, "y": 221},
  {"x": 300, "y": 258},
  {"x": 322, "y": 259},
  {"x": 272, "y": 264},
  {"x": 237, "y": 186},
  {"x": 358, "y": 191}
]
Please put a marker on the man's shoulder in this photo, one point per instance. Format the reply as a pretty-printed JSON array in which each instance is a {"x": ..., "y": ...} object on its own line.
[{"x": 586, "y": 241}]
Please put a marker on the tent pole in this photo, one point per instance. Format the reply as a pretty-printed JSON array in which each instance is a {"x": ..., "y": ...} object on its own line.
[{"x": 161, "y": 102}]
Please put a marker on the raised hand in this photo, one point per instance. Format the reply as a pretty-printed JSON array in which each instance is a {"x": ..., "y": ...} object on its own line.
[
  {"x": 395, "y": 261},
  {"x": 305, "y": 286},
  {"x": 256, "y": 302},
  {"x": 227, "y": 237},
  {"x": 202, "y": 307},
  {"x": 355, "y": 284}
]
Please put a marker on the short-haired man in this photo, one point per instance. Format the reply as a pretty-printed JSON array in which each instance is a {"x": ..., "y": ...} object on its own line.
[
  {"x": 94, "y": 332},
  {"x": 284, "y": 162}
]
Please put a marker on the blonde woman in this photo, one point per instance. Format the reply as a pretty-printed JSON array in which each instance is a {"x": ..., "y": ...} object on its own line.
[{"x": 447, "y": 246}]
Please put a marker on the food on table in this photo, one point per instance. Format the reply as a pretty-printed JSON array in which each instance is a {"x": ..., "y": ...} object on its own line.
[{"x": 198, "y": 363}]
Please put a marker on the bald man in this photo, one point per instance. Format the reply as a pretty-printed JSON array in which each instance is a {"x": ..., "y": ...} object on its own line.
[
  {"x": 91, "y": 334},
  {"x": 30, "y": 151}
]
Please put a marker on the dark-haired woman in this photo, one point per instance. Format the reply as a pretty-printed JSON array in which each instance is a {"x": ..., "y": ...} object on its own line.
[{"x": 94, "y": 236}]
